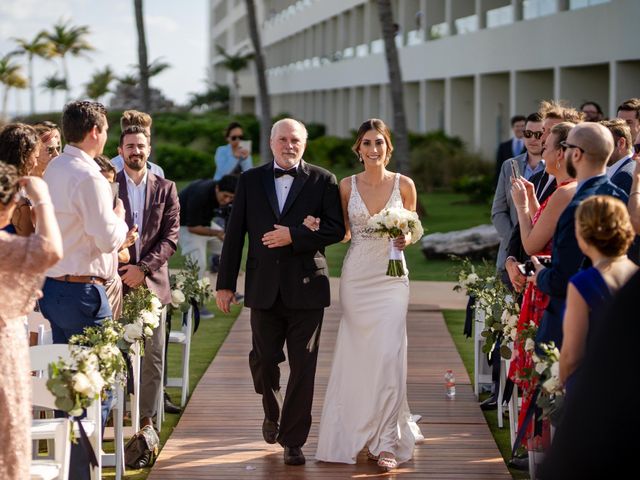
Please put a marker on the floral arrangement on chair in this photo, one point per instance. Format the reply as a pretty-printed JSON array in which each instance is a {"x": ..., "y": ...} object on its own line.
[
  {"x": 140, "y": 315},
  {"x": 187, "y": 288},
  {"x": 500, "y": 308},
  {"x": 547, "y": 372}
]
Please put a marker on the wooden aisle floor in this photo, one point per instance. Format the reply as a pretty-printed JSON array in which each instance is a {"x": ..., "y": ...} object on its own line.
[{"x": 219, "y": 435}]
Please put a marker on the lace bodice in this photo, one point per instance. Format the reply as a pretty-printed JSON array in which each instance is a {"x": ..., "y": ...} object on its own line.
[{"x": 359, "y": 215}]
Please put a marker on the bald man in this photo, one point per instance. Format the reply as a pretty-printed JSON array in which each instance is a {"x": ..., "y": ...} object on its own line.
[{"x": 587, "y": 151}]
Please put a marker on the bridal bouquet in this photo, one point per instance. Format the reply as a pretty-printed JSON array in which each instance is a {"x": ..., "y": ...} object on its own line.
[{"x": 393, "y": 223}]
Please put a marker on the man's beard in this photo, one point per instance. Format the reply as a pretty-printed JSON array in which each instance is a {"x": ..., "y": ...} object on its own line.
[
  {"x": 136, "y": 163},
  {"x": 571, "y": 170}
]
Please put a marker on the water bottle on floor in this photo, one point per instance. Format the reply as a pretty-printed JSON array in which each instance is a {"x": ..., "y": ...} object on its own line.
[{"x": 450, "y": 384}]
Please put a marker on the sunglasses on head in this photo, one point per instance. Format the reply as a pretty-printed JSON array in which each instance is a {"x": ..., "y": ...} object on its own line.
[
  {"x": 233, "y": 138},
  {"x": 531, "y": 133},
  {"x": 566, "y": 145}
]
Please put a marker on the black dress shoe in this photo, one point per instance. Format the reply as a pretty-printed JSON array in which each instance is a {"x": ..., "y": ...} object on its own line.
[
  {"x": 519, "y": 463},
  {"x": 269, "y": 431},
  {"x": 489, "y": 404},
  {"x": 293, "y": 456},
  {"x": 169, "y": 406}
]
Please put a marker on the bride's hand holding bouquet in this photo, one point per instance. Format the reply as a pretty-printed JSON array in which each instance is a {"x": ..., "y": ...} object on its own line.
[{"x": 400, "y": 226}]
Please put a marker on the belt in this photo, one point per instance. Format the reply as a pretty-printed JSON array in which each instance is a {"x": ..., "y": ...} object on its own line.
[{"x": 81, "y": 279}]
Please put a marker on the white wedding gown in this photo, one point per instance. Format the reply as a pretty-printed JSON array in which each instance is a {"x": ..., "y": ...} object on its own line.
[{"x": 366, "y": 400}]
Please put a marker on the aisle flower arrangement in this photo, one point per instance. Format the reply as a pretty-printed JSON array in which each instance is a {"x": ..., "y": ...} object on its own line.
[
  {"x": 495, "y": 301},
  {"x": 393, "y": 223},
  {"x": 187, "y": 288},
  {"x": 140, "y": 315},
  {"x": 547, "y": 371}
]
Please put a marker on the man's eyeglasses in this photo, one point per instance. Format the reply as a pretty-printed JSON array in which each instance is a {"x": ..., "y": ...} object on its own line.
[
  {"x": 566, "y": 145},
  {"x": 233, "y": 138},
  {"x": 531, "y": 133}
]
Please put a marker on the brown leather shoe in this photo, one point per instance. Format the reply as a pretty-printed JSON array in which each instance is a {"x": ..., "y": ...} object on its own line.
[
  {"x": 269, "y": 431},
  {"x": 293, "y": 456}
]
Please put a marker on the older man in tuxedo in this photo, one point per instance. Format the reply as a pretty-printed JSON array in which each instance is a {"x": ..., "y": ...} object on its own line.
[
  {"x": 287, "y": 284},
  {"x": 152, "y": 205}
]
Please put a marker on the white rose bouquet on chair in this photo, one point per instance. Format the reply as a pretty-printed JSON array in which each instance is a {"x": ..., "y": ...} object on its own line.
[
  {"x": 140, "y": 315},
  {"x": 394, "y": 223}
]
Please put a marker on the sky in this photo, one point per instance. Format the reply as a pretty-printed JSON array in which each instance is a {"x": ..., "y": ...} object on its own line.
[{"x": 176, "y": 32}]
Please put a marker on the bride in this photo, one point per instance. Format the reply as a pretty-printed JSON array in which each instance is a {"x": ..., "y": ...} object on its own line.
[{"x": 366, "y": 400}]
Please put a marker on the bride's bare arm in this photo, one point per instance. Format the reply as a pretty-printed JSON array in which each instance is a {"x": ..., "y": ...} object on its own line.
[
  {"x": 408, "y": 193},
  {"x": 345, "y": 193}
]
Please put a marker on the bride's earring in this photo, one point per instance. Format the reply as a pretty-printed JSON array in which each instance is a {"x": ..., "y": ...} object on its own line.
[{"x": 360, "y": 158}]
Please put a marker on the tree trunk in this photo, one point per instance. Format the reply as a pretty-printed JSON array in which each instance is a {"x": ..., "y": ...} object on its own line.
[
  {"x": 142, "y": 57},
  {"x": 67, "y": 95},
  {"x": 263, "y": 88},
  {"x": 52, "y": 100},
  {"x": 32, "y": 87},
  {"x": 400, "y": 134},
  {"x": 236, "y": 94},
  {"x": 5, "y": 101}
]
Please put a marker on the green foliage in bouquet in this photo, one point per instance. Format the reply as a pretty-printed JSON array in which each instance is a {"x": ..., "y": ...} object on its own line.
[
  {"x": 140, "y": 315},
  {"x": 104, "y": 341},
  {"x": 187, "y": 286},
  {"x": 547, "y": 372}
]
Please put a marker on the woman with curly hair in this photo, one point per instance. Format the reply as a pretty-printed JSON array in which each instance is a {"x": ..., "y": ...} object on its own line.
[
  {"x": 20, "y": 147},
  {"x": 604, "y": 234}
]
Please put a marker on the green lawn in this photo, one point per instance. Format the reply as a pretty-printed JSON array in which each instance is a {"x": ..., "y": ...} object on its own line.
[
  {"x": 455, "y": 323},
  {"x": 204, "y": 346}
]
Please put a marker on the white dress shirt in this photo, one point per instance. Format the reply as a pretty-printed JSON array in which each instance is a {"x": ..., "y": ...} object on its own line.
[
  {"x": 83, "y": 204},
  {"x": 283, "y": 185},
  {"x": 137, "y": 195}
]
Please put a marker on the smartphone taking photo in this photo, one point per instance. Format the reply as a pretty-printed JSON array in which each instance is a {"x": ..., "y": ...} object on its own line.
[
  {"x": 515, "y": 169},
  {"x": 246, "y": 144}
]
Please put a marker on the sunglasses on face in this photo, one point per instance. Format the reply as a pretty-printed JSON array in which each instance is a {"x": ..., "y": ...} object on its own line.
[
  {"x": 53, "y": 150},
  {"x": 566, "y": 145},
  {"x": 233, "y": 138},
  {"x": 531, "y": 133}
]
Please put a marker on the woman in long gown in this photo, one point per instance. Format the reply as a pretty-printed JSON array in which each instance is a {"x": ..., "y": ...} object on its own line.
[
  {"x": 366, "y": 400},
  {"x": 537, "y": 225},
  {"x": 23, "y": 262},
  {"x": 604, "y": 234}
]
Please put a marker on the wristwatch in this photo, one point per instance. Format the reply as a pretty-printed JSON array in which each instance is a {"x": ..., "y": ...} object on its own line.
[{"x": 145, "y": 269}]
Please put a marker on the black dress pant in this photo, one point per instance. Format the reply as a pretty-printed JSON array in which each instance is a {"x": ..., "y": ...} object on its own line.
[{"x": 300, "y": 329}]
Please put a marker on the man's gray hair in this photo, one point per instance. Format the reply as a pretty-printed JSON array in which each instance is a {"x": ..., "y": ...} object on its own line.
[{"x": 282, "y": 121}]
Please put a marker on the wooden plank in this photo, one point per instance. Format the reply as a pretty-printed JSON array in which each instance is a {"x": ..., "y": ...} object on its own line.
[{"x": 219, "y": 435}]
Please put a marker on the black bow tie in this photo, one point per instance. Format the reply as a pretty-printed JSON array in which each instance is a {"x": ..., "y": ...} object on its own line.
[{"x": 278, "y": 172}]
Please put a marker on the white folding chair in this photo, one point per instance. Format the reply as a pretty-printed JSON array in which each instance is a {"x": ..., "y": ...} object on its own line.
[
  {"x": 183, "y": 337},
  {"x": 41, "y": 356},
  {"x": 481, "y": 368}
]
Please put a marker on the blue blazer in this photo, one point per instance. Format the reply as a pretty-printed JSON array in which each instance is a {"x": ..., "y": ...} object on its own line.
[
  {"x": 624, "y": 175},
  {"x": 566, "y": 258}
]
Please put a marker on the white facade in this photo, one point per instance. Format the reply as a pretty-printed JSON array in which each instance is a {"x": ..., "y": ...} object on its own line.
[{"x": 468, "y": 65}]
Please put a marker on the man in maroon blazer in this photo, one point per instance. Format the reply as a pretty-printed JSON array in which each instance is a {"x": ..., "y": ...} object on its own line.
[{"x": 151, "y": 203}]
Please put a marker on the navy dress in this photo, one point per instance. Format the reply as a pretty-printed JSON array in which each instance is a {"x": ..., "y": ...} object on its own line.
[{"x": 595, "y": 292}]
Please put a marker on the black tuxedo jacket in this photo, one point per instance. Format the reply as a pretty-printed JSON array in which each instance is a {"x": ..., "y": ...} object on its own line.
[
  {"x": 298, "y": 271},
  {"x": 567, "y": 258},
  {"x": 159, "y": 232}
]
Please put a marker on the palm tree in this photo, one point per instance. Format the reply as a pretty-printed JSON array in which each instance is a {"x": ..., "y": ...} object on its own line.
[
  {"x": 401, "y": 137},
  {"x": 235, "y": 64},
  {"x": 11, "y": 77},
  {"x": 143, "y": 64},
  {"x": 98, "y": 86},
  {"x": 38, "y": 47},
  {"x": 263, "y": 88},
  {"x": 53, "y": 83},
  {"x": 217, "y": 95},
  {"x": 68, "y": 40}
]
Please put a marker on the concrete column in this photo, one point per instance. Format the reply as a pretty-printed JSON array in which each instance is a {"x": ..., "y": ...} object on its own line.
[
  {"x": 512, "y": 93},
  {"x": 562, "y": 5},
  {"x": 448, "y": 125},
  {"x": 383, "y": 103},
  {"x": 399, "y": 15},
  {"x": 477, "y": 111},
  {"x": 422, "y": 106},
  {"x": 367, "y": 36},
  {"x": 448, "y": 17},
  {"x": 557, "y": 83},
  {"x": 613, "y": 89},
  {"x": 423, "y": 25},
  {"x": 353, "y": 108},
  {"x": 517, "y": 10},
  {"x": 482, "y": 15},
  {"x": 366, "y": 102}
]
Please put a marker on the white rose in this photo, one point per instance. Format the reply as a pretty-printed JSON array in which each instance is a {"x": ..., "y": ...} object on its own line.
[
  {"x": 177, "y": 297},
  {"x": 156, "y": 306},
  {"x": 96, "y": 381},
  {"x": 551, "y": 385},
  {"x": 512, "y": 321},
  {"x": 529, "y": 345},
  {"x": 205, "y": 282},
  {"x": 108, "y": 351},
  {"x": 555, "y": 369},
  {"x": 540, "y": 367},
  {"x": 149, "y": 318},
  {"x": 472, "y": 278},
  {"x": 132, "y": 332},
  {"x": 81, "y": 384},
  {"x": 148, "y": 331}
]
